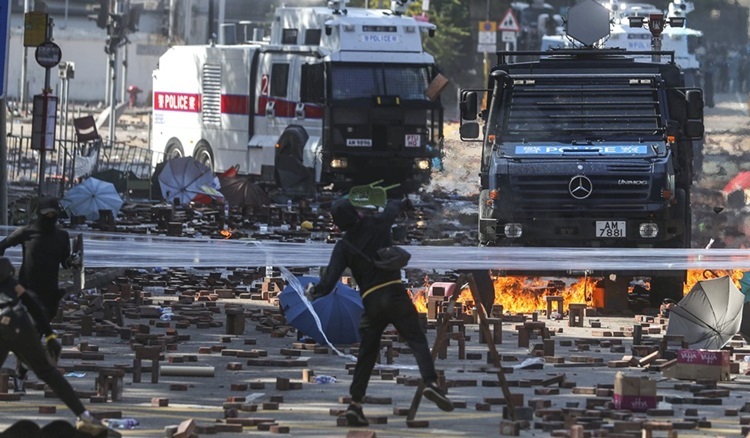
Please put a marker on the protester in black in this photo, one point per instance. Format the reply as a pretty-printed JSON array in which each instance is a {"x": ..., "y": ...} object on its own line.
[
  {"x": 384, "y": 298},
  {"x": 19, "y": 335},
  {"x": 45, "y": 247}
]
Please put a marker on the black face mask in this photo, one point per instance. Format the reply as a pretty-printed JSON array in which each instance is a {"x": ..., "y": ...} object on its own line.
[{"x": 47, "y": 223}]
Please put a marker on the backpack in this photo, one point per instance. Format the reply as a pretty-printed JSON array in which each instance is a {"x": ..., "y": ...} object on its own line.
[{"x": 390, "y": 258}]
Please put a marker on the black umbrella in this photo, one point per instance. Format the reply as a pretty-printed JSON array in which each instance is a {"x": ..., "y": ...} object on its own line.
[{"x": 239, "y": 191}]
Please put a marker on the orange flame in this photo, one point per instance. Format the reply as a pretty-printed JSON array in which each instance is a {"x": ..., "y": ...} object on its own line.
[
  {"x": 527, "y": 294},
  {"x": 419, "y": 298},
  {"x": 695, "y": 275},
  {"x": 226, "y": 233}
]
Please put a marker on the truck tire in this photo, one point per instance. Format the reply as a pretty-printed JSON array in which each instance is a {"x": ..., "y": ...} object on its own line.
[
  {"x": 667, "y": 286},
  {"x": 173, "y": 150},
  {"x": 204, "y": 155},
  {"x": 485, "y": 237}
]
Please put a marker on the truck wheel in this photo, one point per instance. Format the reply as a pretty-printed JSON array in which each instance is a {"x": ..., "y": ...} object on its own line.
[
  {"x": 667, "y": 287},
  {"x": 173, "y": 150},
  {"x": 204, "y": 155}
]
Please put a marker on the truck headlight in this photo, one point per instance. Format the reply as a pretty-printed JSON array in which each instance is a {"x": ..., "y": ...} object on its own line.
[
  {"x": 339, "y": 163},
  {"x": 513, "y": 230},
  {"x": 648, "y": 230},
  {"x": 423, "y": 164}
]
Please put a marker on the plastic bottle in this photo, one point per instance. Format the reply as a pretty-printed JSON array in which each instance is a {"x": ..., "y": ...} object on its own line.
[
  {"x": 324, "y": 379},
  {"x": 122, "y": 423},
  {"x": 289, "y": 205},
  {"x": 226, "y": 211}
]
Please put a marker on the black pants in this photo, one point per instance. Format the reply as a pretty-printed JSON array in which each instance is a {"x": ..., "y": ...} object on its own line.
[
  {"x": 26, "y": 346},
  {"x": 50, "y": 301},
  {"x": 390, "y": 305}
]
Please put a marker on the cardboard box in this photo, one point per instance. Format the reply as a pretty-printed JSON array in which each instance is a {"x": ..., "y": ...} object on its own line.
[
  {"x": 700, "y": 365},
  {"x": 436, "y": 87},
  {"x": 637, "y": 394}
]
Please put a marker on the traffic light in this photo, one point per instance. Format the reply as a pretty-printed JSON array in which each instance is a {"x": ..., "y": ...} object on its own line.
[{"x": 102, "y": 14}]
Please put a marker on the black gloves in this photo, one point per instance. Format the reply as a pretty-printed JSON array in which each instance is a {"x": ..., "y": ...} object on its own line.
[
  {"x": 74, "y": 261},
  {"x": 53, "y": 348}
]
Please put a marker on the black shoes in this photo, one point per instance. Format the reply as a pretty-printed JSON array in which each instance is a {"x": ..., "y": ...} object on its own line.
[
  {"x": 19, "y": 386},
  {"x": 355, "y": 417},
  {"x": 433, "y": 393}
]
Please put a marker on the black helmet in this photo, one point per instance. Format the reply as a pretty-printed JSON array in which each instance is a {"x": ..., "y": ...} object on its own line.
[
  {"x": 344, "y": 214},
  {"x": 6, "y": 269}
]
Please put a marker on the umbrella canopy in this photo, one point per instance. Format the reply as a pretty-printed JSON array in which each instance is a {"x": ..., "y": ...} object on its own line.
[
  {"x": 183, "y": 178},
  {"x": 339, "y": 313},
  {"x": 239, "y": 191},
  {"x": 709, "y": 315},
  {"x": 90, "y": 196},
  {"x": 745, "y": 286}
]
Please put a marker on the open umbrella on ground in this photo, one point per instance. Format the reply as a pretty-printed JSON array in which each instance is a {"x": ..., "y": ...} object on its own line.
[
  {"x": 183, "y": 178},
  {"x": 709, "y": 315},
  {"x": 745, "y": 285},
  {"x": 239, "y": 191},
  {"x": 339, "y": 313},
  {"x": 90, "y": 196}
]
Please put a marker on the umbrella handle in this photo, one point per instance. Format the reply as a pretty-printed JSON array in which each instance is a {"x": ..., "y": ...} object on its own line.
[{"x": 710, "y": 271}]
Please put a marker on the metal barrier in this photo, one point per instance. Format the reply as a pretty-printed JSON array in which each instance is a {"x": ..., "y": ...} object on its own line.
[{"x": 60, "y": 164}]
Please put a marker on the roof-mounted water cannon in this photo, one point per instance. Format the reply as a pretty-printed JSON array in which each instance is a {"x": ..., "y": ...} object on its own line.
[
  {"x": 588, "y": 22},
  {"x": 338, "y": 6},
  {"x": 680, "y": 8},
  {"x": 399, "y": 6}
]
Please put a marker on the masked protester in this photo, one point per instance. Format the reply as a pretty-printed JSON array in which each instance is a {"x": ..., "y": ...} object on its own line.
[
  {"x": 46, "y": 247},
  {"x": 19, "y": 334},
  {"x": 384, "y": 297}
]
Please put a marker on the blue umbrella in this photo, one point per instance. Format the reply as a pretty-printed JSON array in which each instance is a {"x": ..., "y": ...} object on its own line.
[
  {"x": 90, "y": 196},
  {"x": 339, "y": 312},
  {"x": 745, "y": 285},
  {"x": 184, "y": 178}
]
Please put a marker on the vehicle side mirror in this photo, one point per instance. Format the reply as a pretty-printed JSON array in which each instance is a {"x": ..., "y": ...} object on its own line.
[
  {"x": 694, "y": 129},
  {"x": 468, "y": 105},
  {"x": 469, "y": 130},
  {"x": 695, "y": 104}
]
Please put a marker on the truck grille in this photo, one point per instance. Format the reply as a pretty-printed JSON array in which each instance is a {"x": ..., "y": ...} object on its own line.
[{"x": 550, "y": 193}]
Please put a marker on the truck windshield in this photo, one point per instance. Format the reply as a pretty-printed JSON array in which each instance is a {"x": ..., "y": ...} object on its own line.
[
  {"x": 565, "y": 108},
  {"x": 354, "y": 81}
]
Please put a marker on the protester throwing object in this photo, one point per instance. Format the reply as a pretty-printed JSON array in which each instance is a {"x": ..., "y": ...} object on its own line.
[{"x": 384, "y": 297}]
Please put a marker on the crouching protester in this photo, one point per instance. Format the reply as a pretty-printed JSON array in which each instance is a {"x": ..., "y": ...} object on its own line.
[
  {"x": 384, "y": 297},
  {"x": 18, "y": 333}
]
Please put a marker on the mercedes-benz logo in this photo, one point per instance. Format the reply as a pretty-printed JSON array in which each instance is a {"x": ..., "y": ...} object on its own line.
[{"x": 580, "y": 187}]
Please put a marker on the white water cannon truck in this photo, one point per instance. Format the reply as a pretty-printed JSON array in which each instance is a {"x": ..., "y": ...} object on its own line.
[{"x": 338, "y": 95}]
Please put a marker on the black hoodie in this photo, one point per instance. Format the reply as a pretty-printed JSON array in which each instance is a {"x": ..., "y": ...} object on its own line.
[
  {"x": 44, "y": 250},
  {"x": 368, "y": 234}
]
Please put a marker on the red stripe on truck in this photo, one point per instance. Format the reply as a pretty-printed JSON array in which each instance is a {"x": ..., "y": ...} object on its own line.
[{"x": 234, "y": 104}]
